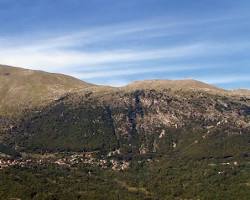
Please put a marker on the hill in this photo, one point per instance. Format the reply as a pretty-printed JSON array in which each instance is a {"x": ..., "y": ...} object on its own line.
[
  {"x": 241, "y": 92},
  {"x": 21, "y": 88},
  {"x": 187, "y": 84}
]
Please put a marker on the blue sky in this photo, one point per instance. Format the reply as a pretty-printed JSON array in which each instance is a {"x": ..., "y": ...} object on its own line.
[{"x": 115, "y": 42}]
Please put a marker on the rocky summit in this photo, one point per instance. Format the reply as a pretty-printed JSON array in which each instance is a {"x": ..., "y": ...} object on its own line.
[{"x": 155, "y": 139}]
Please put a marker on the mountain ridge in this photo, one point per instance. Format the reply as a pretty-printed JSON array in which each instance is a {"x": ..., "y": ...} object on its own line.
[
  {"x": 36, "y": 88},
  {"x": 168, "y": 83},
  {"x": 23, "y": 88},
  {"x": 186, "y": 84}
]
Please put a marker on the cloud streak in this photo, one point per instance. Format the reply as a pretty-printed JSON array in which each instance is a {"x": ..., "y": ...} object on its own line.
[
  {"x": 57, "y": 58},
  {"x": 100, "y": 47},
  {"x": 64, "y": 58},
  {"x": 89, "y": 35},
  {"x": 130, "y": 71}
]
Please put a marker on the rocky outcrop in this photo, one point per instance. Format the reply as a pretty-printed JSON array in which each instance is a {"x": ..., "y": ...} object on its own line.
[{"x": 138, "y": 122}]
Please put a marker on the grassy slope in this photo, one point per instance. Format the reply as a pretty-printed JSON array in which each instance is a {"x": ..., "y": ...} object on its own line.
[
  {"x": 21, "y": 88},
  {"x": 174, "y": 84}
]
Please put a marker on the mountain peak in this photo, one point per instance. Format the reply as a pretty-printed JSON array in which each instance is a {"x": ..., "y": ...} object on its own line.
[
  {"x": 21, "y": 88},
  {"x": 184, "y": 84}
]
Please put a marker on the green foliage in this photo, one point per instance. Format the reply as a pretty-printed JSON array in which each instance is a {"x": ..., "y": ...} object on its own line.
[
  {"x": 58, "y": 183},
  {"x": 162, "y": 178},
  {"x": 65, "y": 128},
  {"x": 8, "y": 151}
]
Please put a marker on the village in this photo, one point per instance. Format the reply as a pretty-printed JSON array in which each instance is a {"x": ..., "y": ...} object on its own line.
[{"x": 65, "y": 160}]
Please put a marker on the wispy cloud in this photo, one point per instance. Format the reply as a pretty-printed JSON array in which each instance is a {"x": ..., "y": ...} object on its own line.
[
  {"x": 64, "y": 58},
  {"x": 59, "y": 58},
  {"x": 142, "y": 29},
  {"x": 130, "y": 71},
  {"x": 71, "y": 53}
]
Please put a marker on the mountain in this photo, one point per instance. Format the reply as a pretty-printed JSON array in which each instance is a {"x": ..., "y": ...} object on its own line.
[
  {"x": 54, "y": 112},
  {"x": 241, "y": 92},
  {"x": 156, "y": 139},
  {"x": 22, "y": 88},
  {"x": 187, "y": 84}
]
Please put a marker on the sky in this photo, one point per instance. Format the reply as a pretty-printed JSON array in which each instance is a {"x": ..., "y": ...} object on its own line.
[{"x": 115, "y": 42}]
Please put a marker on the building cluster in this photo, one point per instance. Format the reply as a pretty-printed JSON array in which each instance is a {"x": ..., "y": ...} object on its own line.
[
  {"x": 90, "y": 159},
  {"x": 75, "y": 159},
  {"x": 4, "y": 163}
]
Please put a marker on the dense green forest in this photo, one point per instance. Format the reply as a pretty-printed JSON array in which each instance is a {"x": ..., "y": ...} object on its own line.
[{"x": 164, "y": 178}]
